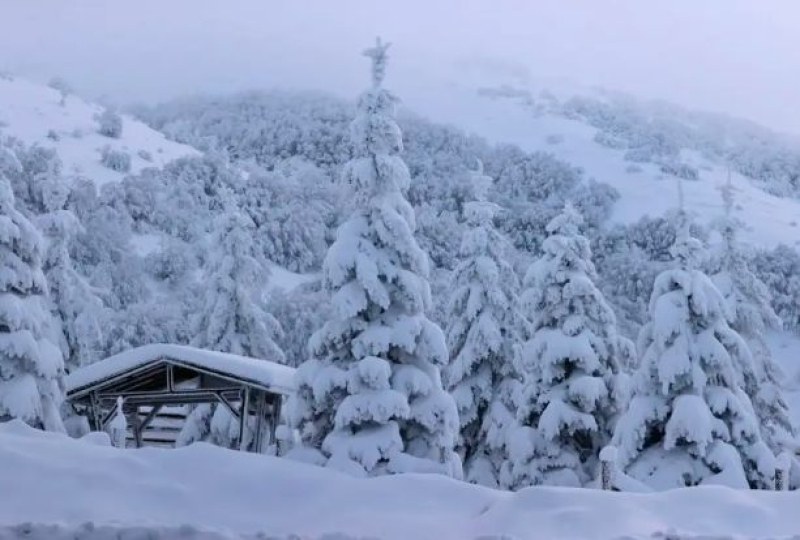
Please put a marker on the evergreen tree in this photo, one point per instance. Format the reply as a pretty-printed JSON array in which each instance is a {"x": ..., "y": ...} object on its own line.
[
  {"x": 76, "y": 308},
  {"x": 233, "y": 318},
  {"x": 573, "y": 386},
  {"x": 747, "y": 299},
  {"x": 484, "y": 325},
  {"x": 689, "y": 421},
  {"x": 370, "y": 398},
  {"x": 31, "y": 367}
]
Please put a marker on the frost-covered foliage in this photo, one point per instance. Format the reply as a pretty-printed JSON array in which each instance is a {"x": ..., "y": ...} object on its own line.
[
  {"x": 115, "y": 159},
  {"x": 689, "y": 421},
  {"x": 110, "y": 124},
  {"x": 751, "y": 315},
  {"x": 232, "y": 319},
  {"x": 484, "y": 325},
  {"x": 573, "y": 383},
  {"x": 779, "y": 269},
  {"x": 662, "y": 134},
  {"x": 295, "y": 207},
  {"x": 31, "y": 367},
  {"x": 76, "y": 307},
  {"x": 371, "y": 397},
  {"x": 301, "y": 311}
]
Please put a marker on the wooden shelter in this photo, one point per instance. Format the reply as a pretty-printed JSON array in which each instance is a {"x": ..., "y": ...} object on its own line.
[{"x": 157, "y": 377}]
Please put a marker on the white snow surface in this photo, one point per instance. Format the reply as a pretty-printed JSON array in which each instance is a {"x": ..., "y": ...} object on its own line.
[
  {"x": 770, "y": 220},
  {"x": 272, "y": 375},
  {"x": 62, "y": 484},
  {"x": 30, "y": 111}
]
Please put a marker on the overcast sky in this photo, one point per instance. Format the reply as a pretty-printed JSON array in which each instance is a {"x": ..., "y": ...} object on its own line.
[{"x": 735, "y": 56}]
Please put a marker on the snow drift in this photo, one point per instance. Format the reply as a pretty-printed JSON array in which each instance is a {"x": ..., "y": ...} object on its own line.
[{"x": 56, "y": 485}]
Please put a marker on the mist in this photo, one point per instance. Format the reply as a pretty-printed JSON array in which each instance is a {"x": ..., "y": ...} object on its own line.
[{"x": 733, "y": 56}]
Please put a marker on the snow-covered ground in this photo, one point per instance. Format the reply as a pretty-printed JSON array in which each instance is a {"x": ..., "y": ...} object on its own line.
[
  {"x": 770, "y": 220},
  {"x": 203, "y": 491},
  {"x": 34, "y": 114}
]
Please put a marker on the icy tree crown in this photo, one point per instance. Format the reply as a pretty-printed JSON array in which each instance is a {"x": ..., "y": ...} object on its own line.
[{"x": 379, "y": 58}]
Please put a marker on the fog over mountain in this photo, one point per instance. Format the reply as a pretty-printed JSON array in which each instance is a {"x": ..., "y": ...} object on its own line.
[{"x": 733, "y": 56}]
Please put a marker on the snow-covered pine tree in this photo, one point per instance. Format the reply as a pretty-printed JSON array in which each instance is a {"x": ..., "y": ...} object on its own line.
[
  {"x": 31, "y": 367},
  {"x": 74, "y": 303},
  {"x": 573, "y": 384},
  {"x": 484, "y": 325},
  {"x": 233, "y": 318},
  {"x": 689, "y": 421},
  {"x": 751, "y": 315},
  {"x": 370, "y": 398}
]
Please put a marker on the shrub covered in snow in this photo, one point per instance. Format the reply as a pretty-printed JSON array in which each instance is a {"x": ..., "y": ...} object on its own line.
[
  {"x": 110, "y": 124},
  {"x": 116, "y": 160}
]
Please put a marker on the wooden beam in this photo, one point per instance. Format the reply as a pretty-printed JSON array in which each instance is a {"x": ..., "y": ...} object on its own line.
[
  {"x": 231, "y": 409},
  {"x": 149, "y": 418},
  {"x": 170, "y": 377},
  {"x": 245, "y": 405}
]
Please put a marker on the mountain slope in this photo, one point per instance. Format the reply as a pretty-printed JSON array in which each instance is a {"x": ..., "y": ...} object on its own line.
[
  {"x": 34, "y": 114},
  {"x": 645, "y": 175}
]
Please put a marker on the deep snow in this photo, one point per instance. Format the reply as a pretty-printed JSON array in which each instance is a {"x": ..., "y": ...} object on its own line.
[{"x": 50, "y": 479}]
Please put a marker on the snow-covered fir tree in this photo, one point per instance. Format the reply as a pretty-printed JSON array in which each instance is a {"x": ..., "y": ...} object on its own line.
[
  {"x": 484, "y": 325},
  {"x": 370, "y": 398},
  {"x": 747, "y": 299},
  {"x": 574, "y": 387},
  {"x": 31, "y": 367},
  {"x": 233, "y": 318},
  {"x": 689, "y": 421},
  {"x": 76, "y": 308}
]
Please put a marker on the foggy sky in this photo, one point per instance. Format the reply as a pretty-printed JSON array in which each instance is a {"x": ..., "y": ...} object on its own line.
[{"x": 736, "y": 56}]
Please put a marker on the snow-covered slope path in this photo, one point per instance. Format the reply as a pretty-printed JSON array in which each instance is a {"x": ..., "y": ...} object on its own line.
[{"x": 50, "y": 479}]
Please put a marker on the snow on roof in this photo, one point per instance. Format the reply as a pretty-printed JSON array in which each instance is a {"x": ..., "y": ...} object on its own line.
[{"x": 276, "y": 377}]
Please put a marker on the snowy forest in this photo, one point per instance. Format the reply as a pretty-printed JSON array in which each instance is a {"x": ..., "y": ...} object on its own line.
[{"x": 451, "y": 304}]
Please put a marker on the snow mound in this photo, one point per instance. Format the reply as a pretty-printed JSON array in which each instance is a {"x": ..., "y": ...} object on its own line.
[
  {"x": 34, "y": 114},
  {"x": 64, "y": 487}
]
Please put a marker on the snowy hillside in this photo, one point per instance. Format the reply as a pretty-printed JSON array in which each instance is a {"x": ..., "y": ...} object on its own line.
[
  {"x": 543, "y": 120},
  {"x": 82, "y": 486},
  {"x": 35, "y": 114}
]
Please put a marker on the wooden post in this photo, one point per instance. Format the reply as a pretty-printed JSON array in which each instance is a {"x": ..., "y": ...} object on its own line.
[
  {"x": 137, "y": 427},
  {"x": 97, "y": 419},
  {"x": 243, "y": 415},
  {"x": 276, "y": 417},
  {"x": 608, "y": 459},
  {"x": 260, "y": 412}
]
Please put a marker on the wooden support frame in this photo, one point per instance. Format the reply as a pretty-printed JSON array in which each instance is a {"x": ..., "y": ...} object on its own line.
[{"x": 152, "y": 390}]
